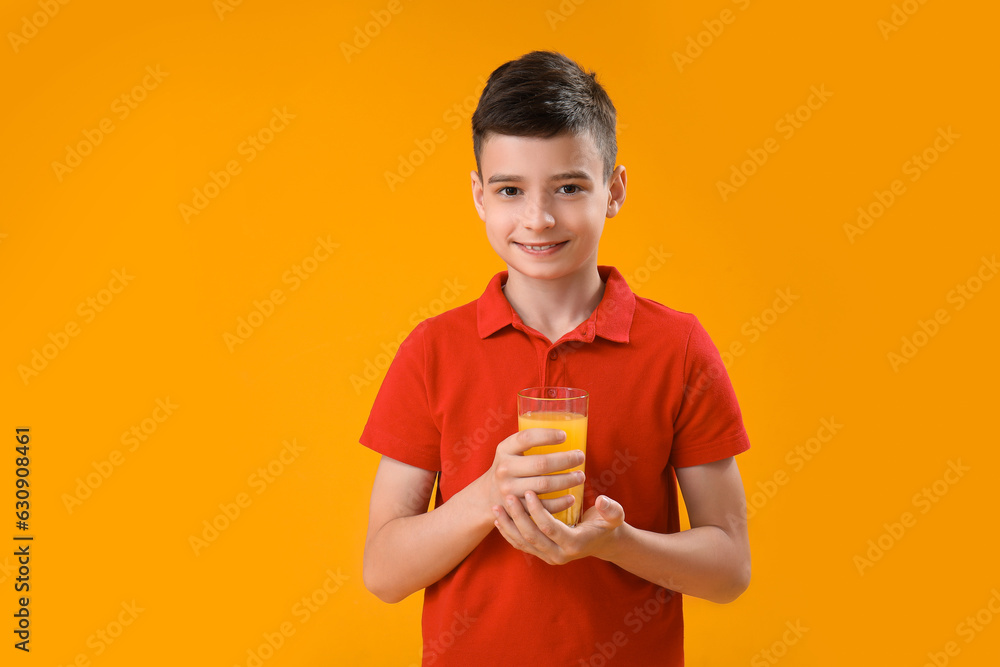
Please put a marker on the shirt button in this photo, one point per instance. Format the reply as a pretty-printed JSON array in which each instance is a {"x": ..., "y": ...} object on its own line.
[{"x": 553, "y": 355}]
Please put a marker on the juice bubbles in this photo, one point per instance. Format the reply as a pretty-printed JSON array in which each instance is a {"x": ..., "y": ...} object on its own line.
[{"x": 575, "y": 426}]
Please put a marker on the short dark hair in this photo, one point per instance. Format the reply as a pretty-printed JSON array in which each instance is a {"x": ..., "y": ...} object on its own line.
[{"x": 543, "y": 94}]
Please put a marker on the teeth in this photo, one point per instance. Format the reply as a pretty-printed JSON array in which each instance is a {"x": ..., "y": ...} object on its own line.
[{"x": 541, "y": 247}]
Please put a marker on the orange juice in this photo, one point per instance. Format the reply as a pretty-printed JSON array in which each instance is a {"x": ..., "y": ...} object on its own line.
[{"x": 575, "y": 426}]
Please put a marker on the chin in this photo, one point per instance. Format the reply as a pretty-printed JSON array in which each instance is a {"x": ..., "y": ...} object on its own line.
[{"x": 541, "y": 272}]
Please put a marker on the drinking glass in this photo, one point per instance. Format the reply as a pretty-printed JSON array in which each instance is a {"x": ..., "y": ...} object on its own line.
[{"x": 563, "y": 408}]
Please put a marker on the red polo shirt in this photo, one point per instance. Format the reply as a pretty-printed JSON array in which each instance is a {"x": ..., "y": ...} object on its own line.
[{"x": 660, "y": 398}]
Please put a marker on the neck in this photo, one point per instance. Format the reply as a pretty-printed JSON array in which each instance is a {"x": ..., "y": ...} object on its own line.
[{"x": 554, "y": 307}]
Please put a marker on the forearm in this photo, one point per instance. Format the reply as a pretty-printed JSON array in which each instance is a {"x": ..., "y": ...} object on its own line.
[
  {"x": 705, "y": 561},
  {"x": 410, "y": 553}
]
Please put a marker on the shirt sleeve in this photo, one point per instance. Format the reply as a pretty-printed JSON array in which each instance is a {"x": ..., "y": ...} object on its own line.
[
  {"x": 709, "y": 425},
  {"x": 400, "y": 424}
]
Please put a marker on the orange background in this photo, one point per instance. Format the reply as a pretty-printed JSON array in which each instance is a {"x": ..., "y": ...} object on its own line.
[{"x": 406, "y": 251}]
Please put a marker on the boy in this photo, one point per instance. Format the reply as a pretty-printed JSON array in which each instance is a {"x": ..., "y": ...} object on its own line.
[{"x": 506, "y": 583}]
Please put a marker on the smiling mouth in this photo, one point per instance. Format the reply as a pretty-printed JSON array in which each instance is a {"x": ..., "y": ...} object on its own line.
[{"x": 541, "y": 248}]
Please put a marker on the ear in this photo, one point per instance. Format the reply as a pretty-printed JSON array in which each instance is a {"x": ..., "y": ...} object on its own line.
[
  {"x": 616, "y": 191},
  {"x": 477, "y": 195}
]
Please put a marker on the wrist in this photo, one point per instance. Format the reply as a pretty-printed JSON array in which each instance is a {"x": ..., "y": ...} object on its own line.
[
  {"x": 477, "y": 497},
  {"x": 616, "y": 544}
]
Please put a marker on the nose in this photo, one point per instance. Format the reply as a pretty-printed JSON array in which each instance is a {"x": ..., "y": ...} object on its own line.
[{"x": 536, "y": 213}]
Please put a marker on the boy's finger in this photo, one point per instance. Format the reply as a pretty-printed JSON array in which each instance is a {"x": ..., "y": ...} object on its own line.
[
  {"x": 536, "y": 437},
  {"x": 526, "y": 525},
  {"x": 544, "y": 464},
  {"x": 506, "y": 527},
  {"x": 556, "y": 505},
  {"x": 552, "y": 483},
  {"x": 545, "y": 523}
]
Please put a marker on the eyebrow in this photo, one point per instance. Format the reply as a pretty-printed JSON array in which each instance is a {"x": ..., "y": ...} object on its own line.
[{"x": 565, "y": 176}]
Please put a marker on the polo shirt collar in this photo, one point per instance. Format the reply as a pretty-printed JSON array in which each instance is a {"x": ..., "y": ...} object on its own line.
[{"x": 612, "y": 318}]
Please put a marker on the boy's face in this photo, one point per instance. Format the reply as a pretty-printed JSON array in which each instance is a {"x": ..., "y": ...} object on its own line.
[{"x": 544, "y": 202}]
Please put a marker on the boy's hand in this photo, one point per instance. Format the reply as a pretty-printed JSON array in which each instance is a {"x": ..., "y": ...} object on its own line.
[
  {"x": 514, "y": 475},
  {"x": 537, "y": 532}
]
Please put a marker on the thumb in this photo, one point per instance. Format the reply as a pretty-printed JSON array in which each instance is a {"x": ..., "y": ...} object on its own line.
[{"x": 611, "y": 510}]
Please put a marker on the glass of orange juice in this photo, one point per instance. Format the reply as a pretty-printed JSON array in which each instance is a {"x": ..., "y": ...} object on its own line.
[{"x": 563, "y": 408}]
